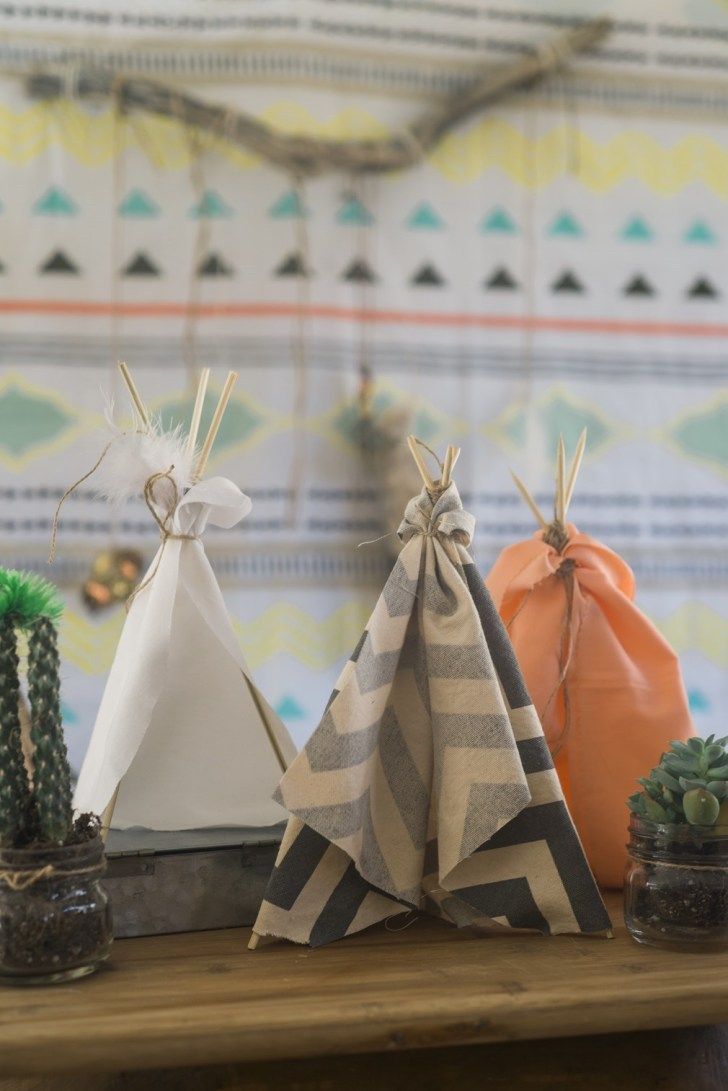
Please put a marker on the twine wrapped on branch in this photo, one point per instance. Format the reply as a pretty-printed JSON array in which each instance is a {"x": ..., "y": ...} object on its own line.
[{"x": 305, "y": 156}]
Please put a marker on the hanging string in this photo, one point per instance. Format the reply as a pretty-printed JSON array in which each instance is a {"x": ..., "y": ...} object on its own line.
[
  {"x": 67, "y": 493},
  {"x": 300, "y": 357}
]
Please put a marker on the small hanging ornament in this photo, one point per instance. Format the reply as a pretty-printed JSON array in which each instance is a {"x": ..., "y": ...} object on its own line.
[{"x": 114, "y": 575}]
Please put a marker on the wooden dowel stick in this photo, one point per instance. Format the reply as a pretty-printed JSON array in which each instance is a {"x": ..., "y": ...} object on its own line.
[
  {"x": 575, "y": 466},
  {"x": 253, "y": 941},
  {"x": 198, "y": 407},
  {"x": 420, "y": 462},
  {"x": 559, "y": 505},
  {"x": 529, "y": 500},
  {"x": 134, "y": 394},
  {"x": 215, "y": 423},
  {"x": 108, "y": 814},
  {"x": 447, "y": 467}
]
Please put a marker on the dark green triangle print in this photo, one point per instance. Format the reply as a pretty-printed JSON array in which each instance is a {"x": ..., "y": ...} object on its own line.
[
  {"x": 568, "y": 282},
  {"x": 702, "y": 289},
  {"x": 287, "y": 207},
  {"x": 498, "y": 222},
  {"x": 214, "y": 266},
  {"x": 140, "y": 266},
  {"x": 354, "y": 213},
  {"x": 138, "y": 206},
  {"x": 359, "y": 272},
  {"x": 55, "y": 202},
  {"x": 58, "y": 262},
  {"x": 292, "y": 266},
  {"x": 639, "y": 286},
  {"x": 427, "y": 276},
  {"x": 501, "y": 281}
]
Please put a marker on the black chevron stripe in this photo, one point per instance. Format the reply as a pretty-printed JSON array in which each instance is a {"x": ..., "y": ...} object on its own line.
[
  {"x": 496, "y": 637},
  {"x": 509, "y": 898},
  {"x": 551, "y": 822},
  {"x": 290, "y": 876},
  {"x": 341, "y": 908}
]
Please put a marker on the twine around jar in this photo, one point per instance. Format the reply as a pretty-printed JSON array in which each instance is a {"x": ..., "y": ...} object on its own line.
[{"x": 19, "y": 881}]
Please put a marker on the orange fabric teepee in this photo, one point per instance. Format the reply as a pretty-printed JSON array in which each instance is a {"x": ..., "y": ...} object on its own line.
[{"x": 607, "y": 686}]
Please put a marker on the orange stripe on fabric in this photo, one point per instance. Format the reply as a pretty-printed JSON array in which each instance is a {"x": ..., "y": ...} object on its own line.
[{"x": 409, "y": 318}]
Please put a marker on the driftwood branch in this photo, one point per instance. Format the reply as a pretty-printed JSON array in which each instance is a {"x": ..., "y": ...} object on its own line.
[{"x": 310, "y": 156}]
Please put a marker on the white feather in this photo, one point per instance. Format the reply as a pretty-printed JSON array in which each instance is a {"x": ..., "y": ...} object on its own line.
[{"x": 135, "y": 455}]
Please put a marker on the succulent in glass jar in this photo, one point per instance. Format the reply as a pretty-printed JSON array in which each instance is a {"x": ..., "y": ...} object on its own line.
[{"x": 676, "y": 884}]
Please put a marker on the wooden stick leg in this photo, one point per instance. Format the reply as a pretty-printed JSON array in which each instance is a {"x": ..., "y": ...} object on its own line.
[
  {"x": 108, "y": 814},
  {"x": 253, "y": 941}
]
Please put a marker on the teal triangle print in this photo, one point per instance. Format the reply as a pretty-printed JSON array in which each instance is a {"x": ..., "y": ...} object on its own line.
[
  {"x": 288, "y": 708},
  {"x": 353, "y": 212},
  {"x": 287, "y": 207},
  {"x": 211, "y": 207},
  {"x": 137, "y": 206},
  {"x": 700, "y": 232},
  {"x": 636, "y": 230},
  {"x": 425, "y": 217},
  {"x": 55, "y": 202},
  {"x": 498, "y": 222},
  {"x": 566, "y": 226}
]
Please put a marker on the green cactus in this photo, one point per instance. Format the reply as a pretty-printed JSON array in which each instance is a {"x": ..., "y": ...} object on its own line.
[
  {"x": 690, "y": 785},
  {"x": 51, "y": 772},
  {"x": 14, "y": 785},
  {"x": 30, "y": 604}
]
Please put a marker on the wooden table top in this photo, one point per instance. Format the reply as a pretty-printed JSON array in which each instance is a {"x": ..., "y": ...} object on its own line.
[{"x": 203, "y": 998}]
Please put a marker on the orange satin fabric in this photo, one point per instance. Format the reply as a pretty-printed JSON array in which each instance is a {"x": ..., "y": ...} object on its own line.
[{"x": 623, "y": 683}]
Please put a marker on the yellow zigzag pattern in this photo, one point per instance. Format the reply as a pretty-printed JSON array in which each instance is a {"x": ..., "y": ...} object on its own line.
[
  {"x": 462, "y": 157},
  {"x": 281, "y": 629},
  {"x": 696, "y": 627},
  {"x": 285, "y": 629}
]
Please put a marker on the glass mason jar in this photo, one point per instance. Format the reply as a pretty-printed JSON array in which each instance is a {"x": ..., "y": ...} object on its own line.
[
  {"x": 676, "y": 885},
  {"x": 55, "y": 918}
]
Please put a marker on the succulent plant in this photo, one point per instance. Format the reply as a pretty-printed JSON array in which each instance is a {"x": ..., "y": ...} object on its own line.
[
  {"x": 689, "y": 786},
  {"x": 43, "y": 812}
]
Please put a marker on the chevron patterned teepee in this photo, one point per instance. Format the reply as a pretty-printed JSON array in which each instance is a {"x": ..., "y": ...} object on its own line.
[{"x": 428, "y": 783}]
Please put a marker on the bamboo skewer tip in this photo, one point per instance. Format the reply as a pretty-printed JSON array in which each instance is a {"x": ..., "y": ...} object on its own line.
[
  {"x": 529, "y": 500},
  {"x": 134, "y": 394},
  {"x": 198, "y": 408},
  {"x": 574, "y": 470},
  {"x": 215, "y": 423},
  {"x": 413, "y": 444}
]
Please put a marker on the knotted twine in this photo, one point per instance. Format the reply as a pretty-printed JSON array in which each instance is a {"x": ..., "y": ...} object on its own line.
[
  {"x": 163, "y": 523},
  {"x": 555, "y": 535},
  {"x": 152, "y": 503}
]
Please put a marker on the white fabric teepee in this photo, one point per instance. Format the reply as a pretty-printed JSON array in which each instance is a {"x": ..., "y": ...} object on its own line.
[{"x": 183, "y": 739}]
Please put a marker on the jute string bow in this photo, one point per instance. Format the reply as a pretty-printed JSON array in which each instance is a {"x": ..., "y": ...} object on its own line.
[
  {"x": 556, "y": 535},
  {"x": 163, "y": 522}
]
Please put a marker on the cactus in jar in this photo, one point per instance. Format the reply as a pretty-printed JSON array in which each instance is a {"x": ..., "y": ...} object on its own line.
[{"x": 41, "y": 812}]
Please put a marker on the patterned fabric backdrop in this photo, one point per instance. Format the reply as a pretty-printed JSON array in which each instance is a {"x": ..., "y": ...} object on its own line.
[{"x": 557, "y": 261}]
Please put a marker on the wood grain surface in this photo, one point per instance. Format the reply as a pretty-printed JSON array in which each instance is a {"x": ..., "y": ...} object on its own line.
[{"x": 203, "y": 999}]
